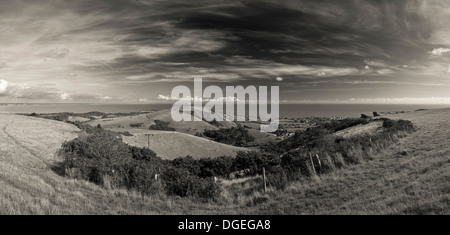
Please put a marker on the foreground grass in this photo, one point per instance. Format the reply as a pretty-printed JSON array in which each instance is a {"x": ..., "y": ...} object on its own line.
[{"x": 412, "y": 177}]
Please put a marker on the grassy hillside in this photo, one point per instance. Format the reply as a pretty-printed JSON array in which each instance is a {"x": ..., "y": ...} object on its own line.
[
  {"x": 410, "y": 177},
  {"x": 171, "y": 144},
  {"x": 168, "y": 144},
  {"x": 189, "y": 127}
]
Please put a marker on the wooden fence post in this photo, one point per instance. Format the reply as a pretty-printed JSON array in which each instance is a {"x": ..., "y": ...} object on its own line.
[
  {"x": 264, "y": 179},
  {"x": 312, "y": 164},
  {"x": 320, "y": 163}
]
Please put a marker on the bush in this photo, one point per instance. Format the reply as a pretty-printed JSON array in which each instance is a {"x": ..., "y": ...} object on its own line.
[
  {"x": 309, "y": 138},
  {"x": 141, "y": 177},
  {"x": 100, "y": 156},
  {"x": 278, "y": 178},
  {"x": 252, "y": 163},
  {"x": 206, "y": 167},
  {"x": 189, "y": 163},
  {"x": 319, "y": 152},
  {"x": 220, "y": 166},
  {"x": 237, "y": 136},
  {"x": 161, "y": 126},
  {"x": 136, "y": 124},
  {"x": 338, "y": 125},
  {"x": 398, "y": 125},
  {"x": 126, "y": 133},
  {"x": 97, "y": 156},
  {"x": 181, "y": 182},
  {"x": 143, "y": 154}
]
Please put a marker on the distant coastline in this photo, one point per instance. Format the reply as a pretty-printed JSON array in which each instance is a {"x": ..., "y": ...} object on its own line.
[{"x": 286, "y": 110}]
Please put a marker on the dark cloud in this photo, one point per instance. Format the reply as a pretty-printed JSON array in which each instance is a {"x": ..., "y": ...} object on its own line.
[{"x": 340, "y": 35}]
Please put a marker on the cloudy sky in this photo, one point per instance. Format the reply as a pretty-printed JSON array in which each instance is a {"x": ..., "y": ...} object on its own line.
[{"x": 138, "y": 50}]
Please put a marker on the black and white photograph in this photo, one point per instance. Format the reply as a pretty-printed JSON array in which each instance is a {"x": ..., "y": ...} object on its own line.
[{"x": 224, "y": 108}]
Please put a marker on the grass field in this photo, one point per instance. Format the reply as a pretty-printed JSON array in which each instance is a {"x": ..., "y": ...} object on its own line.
[
  {"x": 411, "y": 177},
  {"x": 172, "y": 144},
  {"x": 168, "y": 144}
]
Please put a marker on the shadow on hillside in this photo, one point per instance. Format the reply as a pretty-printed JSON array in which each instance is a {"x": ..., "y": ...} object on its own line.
[{"x": 58, "y": 168}]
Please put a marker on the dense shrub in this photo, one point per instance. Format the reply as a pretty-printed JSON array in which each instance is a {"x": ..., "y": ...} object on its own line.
[
  {"x": 137, "y": 124},
  {"x": 337, "y": 125},
  {"x": 237, "y": 136},
  {"x": 189, "y": 163},
  {"x": 126, "y": 133},
  {"x": 141, "y": 177},
  {"x": 220, "y": 166},
  {"x": 278, "y": 178},
  {"x": 320, "y": 153},
  {"x": 206, "y": 167},
  {"x": 87, "y": 128},
  {"x": 96, "y": 156},
  {"x": 101, "y": 157},
  {"x": 161, "y": 126},
  {"x": 252, "y": 163},
  {"x": 143, "y": 154},
  {"x": 301, "y": 139},
  {"x": 181, "y": 182},
  {"x": 398, "y": 125},
  {"x": 309, "y": 137}
]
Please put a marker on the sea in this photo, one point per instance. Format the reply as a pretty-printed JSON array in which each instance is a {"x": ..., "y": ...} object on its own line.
[{"x": 286, "y": 110}]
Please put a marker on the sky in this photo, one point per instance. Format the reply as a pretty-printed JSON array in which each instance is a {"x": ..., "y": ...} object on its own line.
[{"x": 137, "y": 51}]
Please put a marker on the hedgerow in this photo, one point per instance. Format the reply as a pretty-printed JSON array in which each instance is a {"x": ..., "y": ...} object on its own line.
[{"x": 100, "y": 156}]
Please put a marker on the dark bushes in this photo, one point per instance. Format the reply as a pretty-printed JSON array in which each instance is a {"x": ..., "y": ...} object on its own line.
[
  {"x": 137, "y": 125},
  {"x": 237, "y": 136},
  {"x": 252, "y": 163},
  {"x": 321, "y": 153},
  {"x": 206, "y": 167},
  {"x": 310, "y": 137},
  {"x": 398, "y": 125},
  {"x": 141, "y": 177},
  {"x": 180, "y": 182},
  {"x": 337, "y": 125},
  {"x": 161, "y": 126},
  {"x": 143, "y": 154},
  {"x": 126, "y": 133},
  {"x": 101, "y": 157}
]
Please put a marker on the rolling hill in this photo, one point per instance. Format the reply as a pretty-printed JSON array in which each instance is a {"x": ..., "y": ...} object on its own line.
[
  {"x": 410, "y": 177},
  {"x": 169, "y": 144},
  {"x": 172, "y": 144}
]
